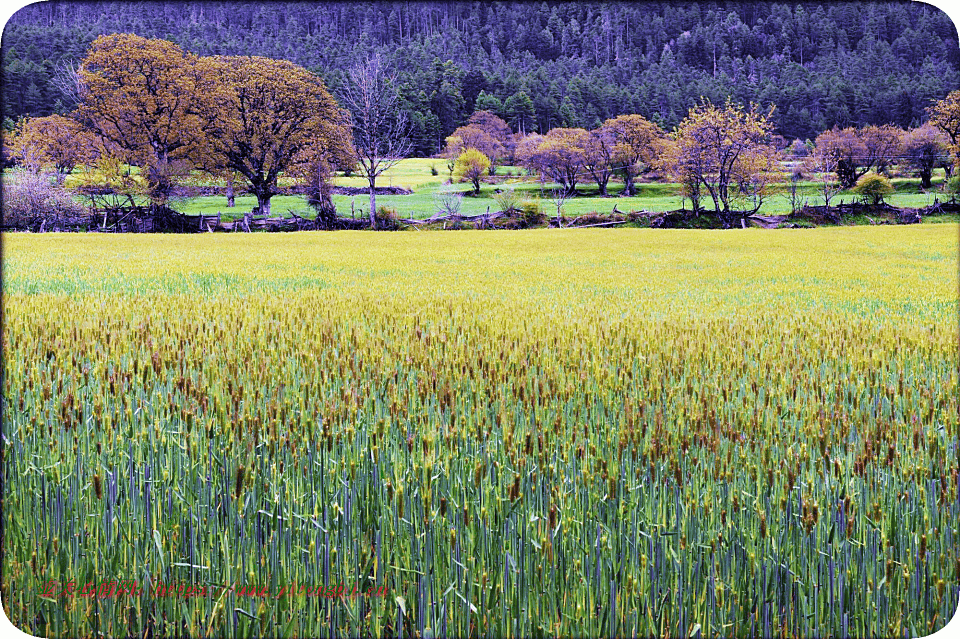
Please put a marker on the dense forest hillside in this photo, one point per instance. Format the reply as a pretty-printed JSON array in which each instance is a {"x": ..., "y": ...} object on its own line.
[{"x": 545, "y": 64}]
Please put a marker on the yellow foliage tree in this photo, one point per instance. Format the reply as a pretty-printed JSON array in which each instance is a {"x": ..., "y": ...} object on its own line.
[
  {"x": 471, "y": 165},
  {"x": 268, "y": 117},
  {"x": 945, "y": 115},
  {"x": 636, "y": 141},
  {"x": 719, "y": 147},
  {"x": 51, "y": 142},
  {"x": 141, "y": 97}
]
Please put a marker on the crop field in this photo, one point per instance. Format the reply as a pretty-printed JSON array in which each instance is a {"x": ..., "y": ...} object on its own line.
[{"x": 513, "y": 434}]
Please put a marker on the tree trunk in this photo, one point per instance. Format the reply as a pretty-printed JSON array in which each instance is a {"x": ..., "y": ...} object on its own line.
[
  {"x": 373, "y": 203},
  {"x": 628, "y": 189},
  {"x": 231, "y": 197},
  {"x": 926, "y": 178},
  {"x": 263, "y": 202}
]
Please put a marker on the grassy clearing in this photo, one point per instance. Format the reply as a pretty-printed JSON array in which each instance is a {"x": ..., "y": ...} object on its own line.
[
  {"x": 414, "y": 174},
  {"x": 574, "y": 433}
]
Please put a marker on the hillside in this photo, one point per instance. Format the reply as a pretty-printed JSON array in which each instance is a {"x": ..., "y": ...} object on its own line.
[{"x": 547, "y": 64}]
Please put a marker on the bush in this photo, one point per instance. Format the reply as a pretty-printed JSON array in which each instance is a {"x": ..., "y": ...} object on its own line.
[
  {"x": 30, "y": 199},
  {"x": 873, "y": 188},
  {"x": 386, "y": 219},
  {"x": 531, "y": 214},
  {"x": 433, "y": 170},
  {"x": 507, "y": 199},
  {"x": 953, "y": 186}
]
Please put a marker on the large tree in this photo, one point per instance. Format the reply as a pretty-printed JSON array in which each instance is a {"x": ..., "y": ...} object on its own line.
[
  {"x": 637, "y": 142},
  {"x": 924, "y": 148},
  {"x": 268, "y": 115},
  {"x": 141, "y": 97},
  {"x": 723, "y": 147},
  {"x": 380, "y": 126},
  {"x": 945, "y": 115}
]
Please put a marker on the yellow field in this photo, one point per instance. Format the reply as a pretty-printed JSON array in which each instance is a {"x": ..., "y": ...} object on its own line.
[{"x": 568, "y": 432}]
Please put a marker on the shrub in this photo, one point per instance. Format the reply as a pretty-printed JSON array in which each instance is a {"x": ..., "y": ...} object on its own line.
[
  {"x": 29, "y": 199},
  {"x": 873, "y": 187},
  {"x": 433, "y": 170},
  {"x": 953, "y": 186},
  {"x": 531, "y": 214},
  {"x": 508, "y": 199},
  {"x": 387, "y": 219}
]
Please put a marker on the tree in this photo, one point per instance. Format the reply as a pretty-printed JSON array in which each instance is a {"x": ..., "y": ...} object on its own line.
[
  {"x": 882, "y": 143},
  {"x": 853, "y": 152},
  {"x": 945, "y": 115},
  {"x": 598, "y": 149},
  {"x": 497, "y": 129},
  {"x": 473, "y": 137},
  {"x": 822, "y": 163},
  {"x": 559, "y": 155},
  {"x": 873, "y": 187},
  {"x": 519, "y": 111},
  {"x": 924, "y": 147},
  {"x": 637, "y": 141},
  {"x": 268, "y": 116},
  {"x": 471, "y": 165},
  {"x": 51, "y": 142},
  {"x": 841, "y": 151},
  {"x": 141, "y": 98},
  {"x": 380, "y": 132},
  {"x": 717, "y": 147}
]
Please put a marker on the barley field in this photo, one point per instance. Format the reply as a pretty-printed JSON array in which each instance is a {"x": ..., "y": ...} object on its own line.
[{"x": 511, "y": 434}]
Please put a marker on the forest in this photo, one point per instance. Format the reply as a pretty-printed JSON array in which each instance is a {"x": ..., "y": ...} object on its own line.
[{"x": 540, "y": 65}]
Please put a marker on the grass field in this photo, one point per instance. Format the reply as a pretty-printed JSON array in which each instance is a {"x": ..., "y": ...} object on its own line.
[
  {"x": 414, "y": 174},
  {"x": 575, "y": 433}
]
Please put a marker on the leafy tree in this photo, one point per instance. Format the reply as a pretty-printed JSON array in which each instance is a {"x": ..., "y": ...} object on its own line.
[
  {"x": 945, "y": 115},
  {"x": 636, "y": 141},
  {"x": 51, "y": 142},
  {"x": 496, "y": 127},
  {"x": 722, "y": 146},
  {"x": 598, "y": 151},
  {"x": 141, "y": 97},
  {"x": 472, "y": 165},
  {"x": 842, "y": 151},
  {"x": 380, "y": 130},
  {"x": 882, "y": 143},
  {"x": 853, "y": 152},
  {"x": 559, "y": 155},
  {"x": 266, "y": 116},
  {"x": 924, "y": 147},
  {"x": 873, "y": 187},
  {"x": 473, "y": 137}
]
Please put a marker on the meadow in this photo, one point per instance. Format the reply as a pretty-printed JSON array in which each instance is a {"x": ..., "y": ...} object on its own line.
[
  {"x": 513, "y": 433},
  {"x": 416, "y": 174}
]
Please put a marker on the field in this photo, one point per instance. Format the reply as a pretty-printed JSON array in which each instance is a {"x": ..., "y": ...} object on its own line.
[
  {"x": 415, "y": 174},
  {"x": 528, "y": 433}
]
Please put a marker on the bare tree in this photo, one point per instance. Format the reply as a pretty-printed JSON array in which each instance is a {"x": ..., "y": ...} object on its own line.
[
  {"x": 559, "y": 198},
  {"x": 67, "y": 79},
  {"x": 380, "y": 133},
  {"x": 448, "y": 202}
]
